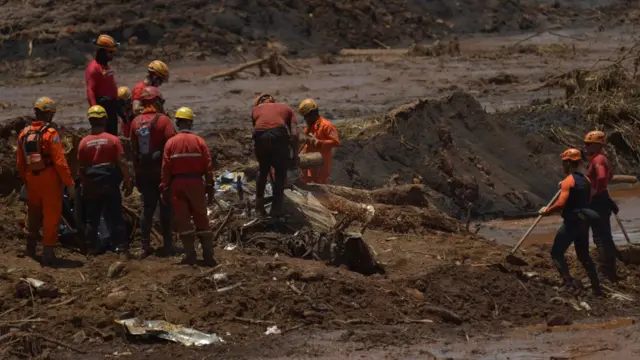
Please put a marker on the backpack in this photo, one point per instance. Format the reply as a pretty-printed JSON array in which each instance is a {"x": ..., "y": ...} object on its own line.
[
  {"x": 32, "y": 148},
  {"x": 144, "y": 140}
]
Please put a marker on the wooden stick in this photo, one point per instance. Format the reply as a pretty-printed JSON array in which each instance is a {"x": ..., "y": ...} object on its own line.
[
  {"x": 533, "y": 226},
  {"x": 60, "y": 343},
  {"x": 237, "y": 69},
  {"x": 253, "y": 321}
]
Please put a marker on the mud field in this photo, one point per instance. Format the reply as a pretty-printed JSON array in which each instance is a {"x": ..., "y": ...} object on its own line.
[{"x": 474, "y": 116}]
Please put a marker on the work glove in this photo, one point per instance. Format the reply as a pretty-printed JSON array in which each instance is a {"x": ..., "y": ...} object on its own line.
[
  {"x": 614, "y": 207},
  {"x": 210, "y": 195},
  {"x": 71, "y": 191},
  {"x": 313, "y": 141},
  {"x": 544, "y": 211}
]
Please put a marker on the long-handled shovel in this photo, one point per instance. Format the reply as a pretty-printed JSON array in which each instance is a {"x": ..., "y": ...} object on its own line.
[{"x": 514, "y": 260}]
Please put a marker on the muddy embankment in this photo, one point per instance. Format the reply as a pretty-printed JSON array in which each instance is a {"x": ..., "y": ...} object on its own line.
[{"x": 36, "y": 34}]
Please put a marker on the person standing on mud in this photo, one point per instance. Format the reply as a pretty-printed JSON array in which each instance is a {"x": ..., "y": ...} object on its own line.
[
  {"x": 320, "y": 136},
  {"x": 157, "y": 74},
  {"x": 101, "y": 83},
  {"x": 44, "y": 170},
  {"x": 275, "y": 139},
  {"x": 150, "y": 131},
  {"x": 125, "y": 103},
  {"x": 575, "y": 196},
  {"x": 185, "y": 162},
  {"x": 599, "y": 173},
  {"x": 102, "y": 168}
]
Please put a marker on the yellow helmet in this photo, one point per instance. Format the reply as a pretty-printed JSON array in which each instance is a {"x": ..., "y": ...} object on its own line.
[
  {"x": 106, "y": 42},
  {"x": 96, "y": 112},
  {"x": 307, "y": 106},
  {"x": 45, "y": 104},
  {"x": 124, "y": 93},
  {"x": 184, "y": 113},
  {"x": 160, "y": 69}
]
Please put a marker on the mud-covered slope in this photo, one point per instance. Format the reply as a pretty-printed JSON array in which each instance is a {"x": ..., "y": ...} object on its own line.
[
  {"x": 198, "y": 28},
  {"x": 458, "y": 150}
]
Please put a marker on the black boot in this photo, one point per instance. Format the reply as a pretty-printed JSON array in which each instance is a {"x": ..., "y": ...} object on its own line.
[
  {"x": 48, "y": 256},
  {"x": 188, "y": 241},
  {"x": 146, "y": 249},
  {"x": 206, "y": 239},
  {"x": 30, "y": 250},
  {"x": 596, "y": 289}
]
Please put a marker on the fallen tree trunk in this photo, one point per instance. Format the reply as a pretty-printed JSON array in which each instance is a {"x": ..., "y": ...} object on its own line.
[
  {"x": 411, "y": 194},
  {"x": 238, "y": 69},
  {"x": 624, "y": 179}
]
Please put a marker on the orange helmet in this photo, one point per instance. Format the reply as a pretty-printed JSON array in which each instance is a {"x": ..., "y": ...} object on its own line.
[
  {"x": 151, "y": 94},
  {"x": 571, "y": 154},
  {"x": 264, "y": 98},
  {"x": 595, "y": 137},
  {"x": 160, "y": 69},
  {"x": 106, "y": 42}
]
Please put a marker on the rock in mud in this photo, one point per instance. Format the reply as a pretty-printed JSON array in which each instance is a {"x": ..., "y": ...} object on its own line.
[
  {"x": 558, "y": 320},
  {"x": 311, "y": 276},
  {"x": 116, "y": 270},
  {"x": 79, "y": 337},
  {"x": 115, "y": 300},
  {"x": 25, "y": 289}
]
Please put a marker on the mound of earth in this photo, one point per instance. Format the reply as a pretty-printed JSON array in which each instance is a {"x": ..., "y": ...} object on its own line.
[
  {"x": 40, "y": 32},
  {"x": 459, "y": 151}
]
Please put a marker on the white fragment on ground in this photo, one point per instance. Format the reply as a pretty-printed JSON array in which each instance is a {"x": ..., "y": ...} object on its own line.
[{"x": 273, "y": 330}]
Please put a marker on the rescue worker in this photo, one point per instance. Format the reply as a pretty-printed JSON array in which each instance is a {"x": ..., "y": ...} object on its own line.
[
  {"x": 101, "y": 83},
  {"x": 157, "y": 74},
  {"x": 44, "y": 170},
  {"x": 125, "y": 103},
  {"x": 275, "y": 143},
  {"x": 150, "y": 131},
  {"x": 185, "y": 162},
  {"x": 102, "y": 168},
  {"x": 319, "y": 136},
  {"x": 575, "y": 195},
  {"x": 599, "y": 173}
]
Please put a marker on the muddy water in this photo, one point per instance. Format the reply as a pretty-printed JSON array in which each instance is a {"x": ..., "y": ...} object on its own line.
[{"x": 509, "y": 231}]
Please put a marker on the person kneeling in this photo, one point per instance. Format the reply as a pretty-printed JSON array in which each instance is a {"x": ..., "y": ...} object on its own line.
[{"x": 575, "y": 195}]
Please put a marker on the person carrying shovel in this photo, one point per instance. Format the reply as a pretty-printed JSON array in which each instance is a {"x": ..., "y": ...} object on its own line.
[{"x": 574, "y": 199}]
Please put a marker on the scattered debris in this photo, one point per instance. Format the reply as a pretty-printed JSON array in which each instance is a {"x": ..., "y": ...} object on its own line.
[{"x": 167, "y": 331}]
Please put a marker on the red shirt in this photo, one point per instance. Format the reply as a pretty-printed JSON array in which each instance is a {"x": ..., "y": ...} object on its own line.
[
  {"x": 100, "y": 82},
  {"x": 162, "y": 131},
  {"x": 599, "y": 173},
  {"x": 99, "y": 149},
  {"x": 188, "y": 154},
  {"x": 272, "y": 115},
  {"x": 137, "y": 90}
]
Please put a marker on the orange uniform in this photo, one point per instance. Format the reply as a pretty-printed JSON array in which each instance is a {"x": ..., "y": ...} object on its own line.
[
  {"x": 327, "y": 136},
  {"x": 44, "y": 169},
  {"x": 160, "y": 131},
  {"x": 185, "y": 161}
]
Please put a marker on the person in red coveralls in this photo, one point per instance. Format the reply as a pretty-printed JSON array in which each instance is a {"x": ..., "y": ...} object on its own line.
[
  {"x": 43, "y": 168},
  {"x": 102, "y": 167},
  {"x": 101, "y": 83},
  {"x": 124, "y": 98},
  {"x": 150, "y": 131},
  {"x": 157, "y": 74},
  {"x": 276, "y": 143},
  {"x": 599, "y": 173},
  {"x": 186, "y": 161}
]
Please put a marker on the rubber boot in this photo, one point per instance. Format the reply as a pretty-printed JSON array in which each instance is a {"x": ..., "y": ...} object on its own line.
[
  {"x": 146, "y": 249},
  {"x": 260, "y": 211},
  {"x": 595, "y": 282},
  {"x": 206, "y": 239},
  {"x": 188, "y": 241},
  {"x": 48, "y": 256},
  {"x": 30, "y": 250}
]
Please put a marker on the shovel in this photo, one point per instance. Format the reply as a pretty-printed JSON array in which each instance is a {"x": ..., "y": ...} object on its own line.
[{"x": 514, "y": 260}]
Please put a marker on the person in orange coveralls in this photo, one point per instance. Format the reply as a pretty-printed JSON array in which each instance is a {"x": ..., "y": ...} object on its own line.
[
  {"x": 600, "y": 174},
  {"x": 320, "y": 136},
  {"x": 102, "y": 167},
  {"x": 101, "y": 83},
  {"x": 124, "y": 98},
  {"x": 275, "y": 138},
  {"x": 157, "y": 74},
  {"x": 44, "y": 170},
  {"x": 185, "y": 162},
  {"x": 150, "y": 131},
  {"x": 575, "y": 195}
]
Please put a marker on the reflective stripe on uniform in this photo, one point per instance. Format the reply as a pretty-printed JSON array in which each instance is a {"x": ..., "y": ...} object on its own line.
[{"x": 186, "y": 155}]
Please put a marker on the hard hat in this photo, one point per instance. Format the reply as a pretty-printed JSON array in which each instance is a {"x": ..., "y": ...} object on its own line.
[
  {"x": 307, "y": 106},
  {"x": 45, "y": 104},
  {"x": 160, "y": 69},
  {"x": 263, "y": 98},
  {"x": 124, "y": 93},
  {"x": 571, "y": 154},
  {"x": 96, "y": 112},
  {"x": 595, "y": 137},
  {"x": 106, "y": 42},
  {"x": 184, "y": 113},
  {"x": 151, "y": 93}
]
